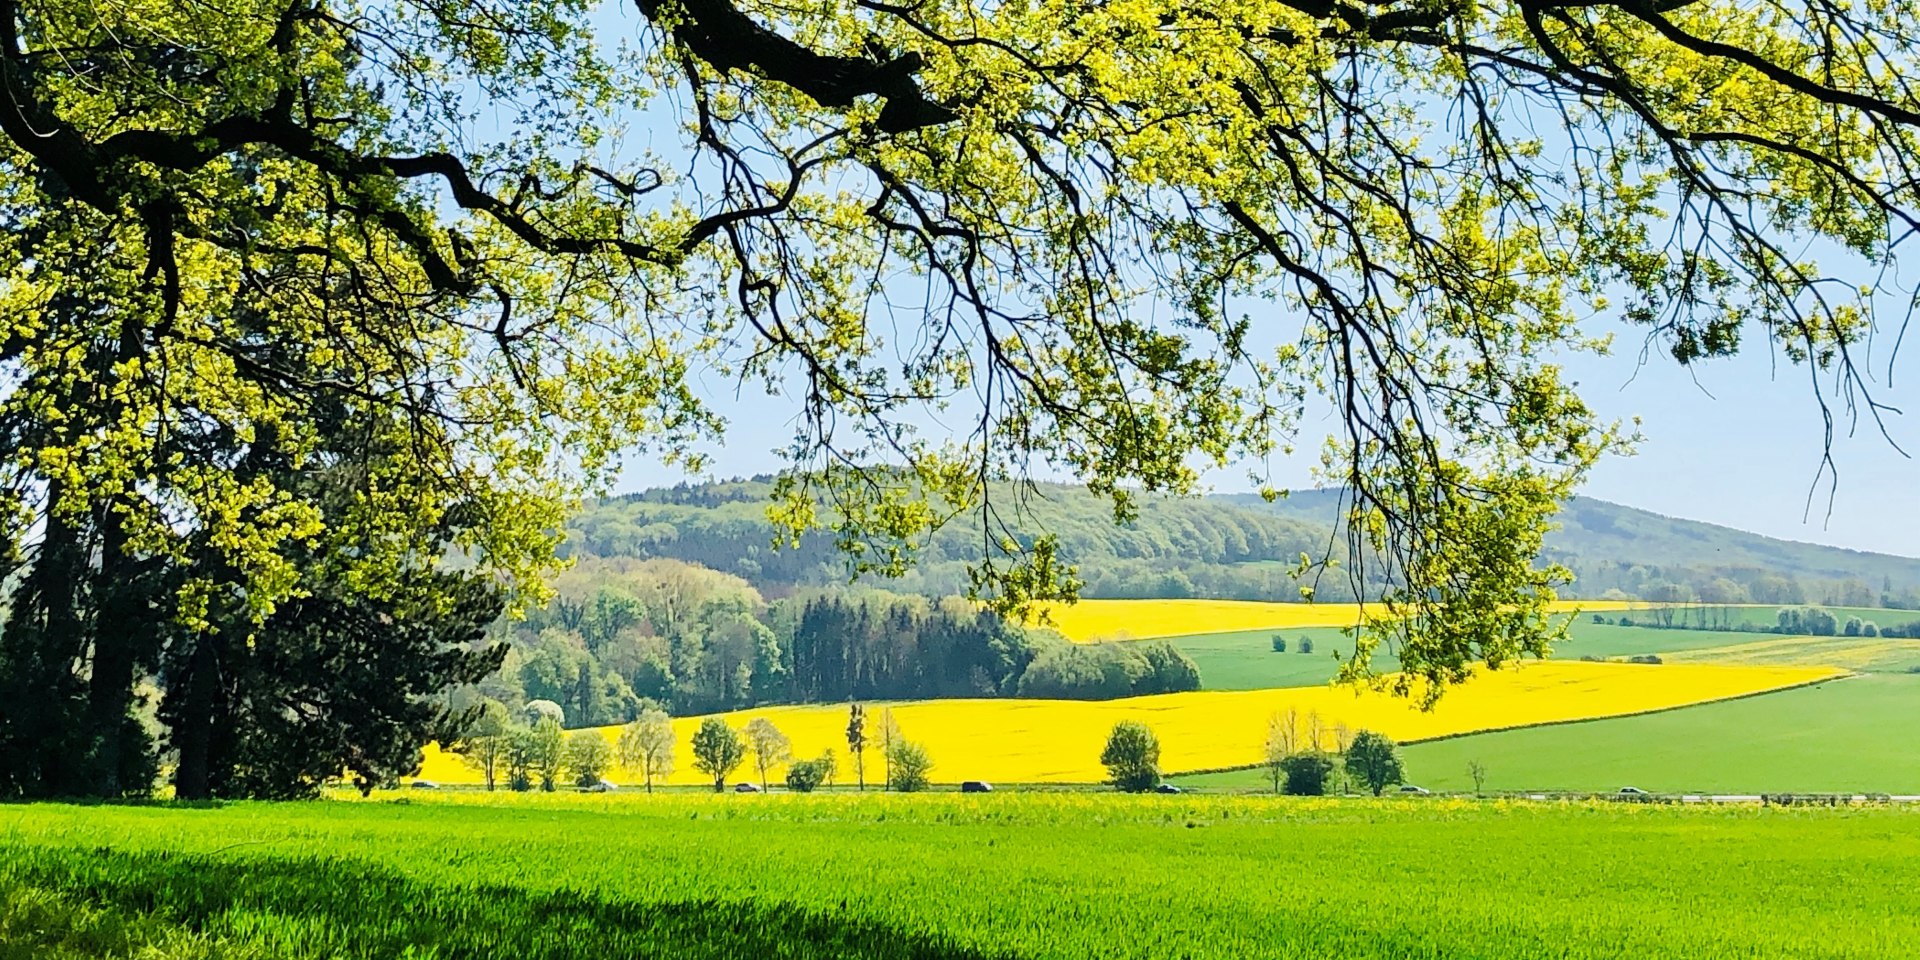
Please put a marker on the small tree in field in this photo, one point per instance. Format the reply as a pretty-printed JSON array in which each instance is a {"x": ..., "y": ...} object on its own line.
[
  {"x": 1283, "y": 729},
  {"x": 546, "y": 747},
  {"x": 1279, "y": 644},
  {"x": 1132, "y": 757},
  {"x": 485, "y": 747},
  {"x": 889, "y": 736},
  {"x": 1307, "y": 773},
  {"x": 1478, "y": 771},
  {"x": 857, "y": 741},
  {"x": 770, "y": 747},
  {"x": 908, "y": 766},
  {"x": 829, "y": 766},
  {"x": 1374, "y": 760},
  {"x": 646, "y": 745},
  {"x": 717, "y": 751},
  {"x": 588, "y": 756},
  {"x": 1306, "y": 644}
]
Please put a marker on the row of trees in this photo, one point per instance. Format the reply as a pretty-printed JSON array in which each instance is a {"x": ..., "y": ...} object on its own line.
[
  {"x": 532, "y": 751},
  {"x": 1789, "y": 621},
  {"x": 1296, "y": 761}
]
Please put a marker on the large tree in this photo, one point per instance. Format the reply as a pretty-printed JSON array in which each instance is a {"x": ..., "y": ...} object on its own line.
[{"x": 1122, "y": 242}]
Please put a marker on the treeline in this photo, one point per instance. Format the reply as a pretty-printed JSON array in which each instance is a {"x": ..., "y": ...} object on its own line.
[
  {"x": 1613, "y": 580},
  {"x": 1788, "y": 621},
  {"x": 622, "y": 635}
]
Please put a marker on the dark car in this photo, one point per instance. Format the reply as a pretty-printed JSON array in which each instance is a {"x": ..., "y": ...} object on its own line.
[
  {"x": 1410, "y": 788},
  {"x": 746, "y": 788},
  {"x": 976, "y": 786},
  {"x": 1167, "y": 788}
]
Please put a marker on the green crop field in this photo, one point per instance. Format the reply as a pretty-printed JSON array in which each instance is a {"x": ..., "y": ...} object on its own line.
[
  {"x": 951, "y": 876},
  {"x": 1246, "y": 660},
  {"x": 1847, "y": 735}
]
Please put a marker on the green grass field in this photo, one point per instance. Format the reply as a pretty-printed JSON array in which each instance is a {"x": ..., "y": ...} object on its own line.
[
  {"x": 1846, "y": 735},
  {"x": 1246, "y": 660},
  {"x": 951, "y": 876}
]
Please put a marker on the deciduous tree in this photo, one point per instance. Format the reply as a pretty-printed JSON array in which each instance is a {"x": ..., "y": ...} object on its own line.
[
  {"x": 646, "y": 745},
  {"x": 1132, "y": 757},
  {"x": 769, "y": 746},
  {"x": 260, "y": 212},
  {"x": 718, "y": 750},
  {"x": 1374, "y": 760}
]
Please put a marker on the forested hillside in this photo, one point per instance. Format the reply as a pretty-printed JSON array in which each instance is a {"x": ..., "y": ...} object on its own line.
[
  {"x": 1241, "y": 547},
  {"x": 1177, "y": 548}
]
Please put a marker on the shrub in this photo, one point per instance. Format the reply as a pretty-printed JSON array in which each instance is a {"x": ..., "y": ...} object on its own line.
[
  {"x": 1279, "y": 644},
  {"x": 803, "y": 776},
  {"x": 1132, "y": 757},
  {"x": 908, "y": 765},
  {"x": 588, "y": 757},
  {"x": 1307, "y": 773},
  {"x": 1306, "y": 644}
]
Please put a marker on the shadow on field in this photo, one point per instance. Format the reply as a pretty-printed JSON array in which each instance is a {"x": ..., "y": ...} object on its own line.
[{"x": 338, "y": 908}]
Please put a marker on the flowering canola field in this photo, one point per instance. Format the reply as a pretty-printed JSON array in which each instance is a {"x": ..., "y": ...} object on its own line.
[
  {"x": 1090, "y": 620},
  {"x": 1059, "y": 741},
  {"x": 1866, "y": 654}
]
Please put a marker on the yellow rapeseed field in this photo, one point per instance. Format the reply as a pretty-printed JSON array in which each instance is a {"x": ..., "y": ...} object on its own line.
[
  {"x": 1059, "y": 741},
  {"x": 1853, "y": 653},
  {"x": 1090, "y": 620}
]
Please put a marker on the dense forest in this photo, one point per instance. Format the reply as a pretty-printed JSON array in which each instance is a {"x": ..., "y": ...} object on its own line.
[{"x": 624, "y": 634}]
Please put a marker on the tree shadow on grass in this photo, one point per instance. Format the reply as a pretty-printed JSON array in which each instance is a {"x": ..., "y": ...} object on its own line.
[{"x": 312, "y": 907}]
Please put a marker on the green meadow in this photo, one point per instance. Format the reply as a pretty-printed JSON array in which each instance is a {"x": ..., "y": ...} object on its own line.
[{"x": 951, "y": 876}]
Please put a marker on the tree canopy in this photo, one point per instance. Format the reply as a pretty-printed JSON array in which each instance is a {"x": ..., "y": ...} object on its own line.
[{"x": 1120, "y": 242}]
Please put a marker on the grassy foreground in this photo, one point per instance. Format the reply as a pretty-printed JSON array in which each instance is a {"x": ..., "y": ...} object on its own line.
[{"x": 950, "y": 876}]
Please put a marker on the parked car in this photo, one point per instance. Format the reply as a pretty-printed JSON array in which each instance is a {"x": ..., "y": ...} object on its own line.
[
  {"x": 1632, "y": 792},
  {"x": 746, "y": 788},
  {"x": 425, "y": 785},
  {"x": 975, "y": 786},
  {"x": 1410, "y": 788},
  {"x": 1167, "y": 788},
  {"x": 604, "y": 786}
]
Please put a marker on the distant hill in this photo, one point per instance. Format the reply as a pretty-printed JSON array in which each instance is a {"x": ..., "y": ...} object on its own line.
[
  {"x": 1610, "y": 546},
  {"x": 1239, "y": 547},
  {"x": 1177, "y": 547}
]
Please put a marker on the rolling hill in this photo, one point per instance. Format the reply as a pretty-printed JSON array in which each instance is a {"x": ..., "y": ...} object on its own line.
[{"x": 1238, "y": 546}]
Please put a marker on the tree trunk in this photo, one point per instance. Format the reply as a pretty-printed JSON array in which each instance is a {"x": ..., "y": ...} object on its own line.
[
  {"x": 197, "y": 694},
  {"x": 110, "y": 684}
]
